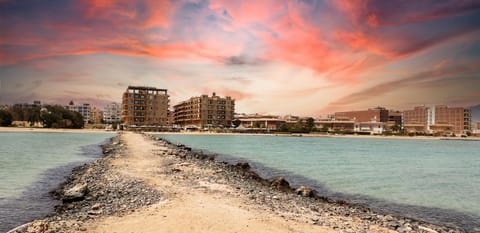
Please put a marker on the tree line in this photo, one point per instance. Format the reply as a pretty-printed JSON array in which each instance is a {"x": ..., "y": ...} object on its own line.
[{"x": 51, "y": 116}]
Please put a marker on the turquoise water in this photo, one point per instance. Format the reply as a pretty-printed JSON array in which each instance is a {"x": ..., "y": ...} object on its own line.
[
  {"x": 428, "y": 179},
  {"x": 33, "y": 163}
]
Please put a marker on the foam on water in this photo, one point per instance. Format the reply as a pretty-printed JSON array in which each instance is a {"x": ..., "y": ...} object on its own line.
[{"x": 434, "y": 180}]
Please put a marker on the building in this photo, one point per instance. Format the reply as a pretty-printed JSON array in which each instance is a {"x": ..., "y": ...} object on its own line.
[
  {"x": 370, "y": 127},
  {"x": 112, "y": 113},
  {"x": 260, "y": 122},
  {"x": 205, "y": 112},
  {"x": 378, "y": 114},
  {"x": 35, "y": 104},
  {"x": 417, "y": 119},
  {"x": 83, "y": 109},
  {"x": 145, "y": 106},
  {"x": 449, "y": 120},
  {"x": 394, "y": 119},
  {"x": 333, "y": 125},
  {"x": 96, "y": 116},
  {"x": 440, "y": 119}
]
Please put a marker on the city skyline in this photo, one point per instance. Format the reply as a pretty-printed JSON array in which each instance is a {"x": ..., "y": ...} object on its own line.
[{"x": 277, "y": 57}]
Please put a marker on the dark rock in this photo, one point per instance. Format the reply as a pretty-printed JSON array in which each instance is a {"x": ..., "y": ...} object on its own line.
[
  {"x": 244, "y": 166},
  {"x": 280, "y": 183}
]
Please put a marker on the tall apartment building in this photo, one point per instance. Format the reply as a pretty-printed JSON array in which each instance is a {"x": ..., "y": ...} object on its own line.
[
  {"x": 371, "y": 115},
  {"x": 145, "y": 106},
  {"x": 205, "y": 112},
  {"x": 112, "y": 113},
  {"x": 83, "y": 109}
]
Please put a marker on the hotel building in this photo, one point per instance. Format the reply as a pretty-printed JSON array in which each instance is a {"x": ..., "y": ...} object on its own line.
[
  {"x": 145, "y": 106},
  {"x": 112, "y": 113},
  {"x": 438, "y": 120},
  {"x": 205, "y": 112}
]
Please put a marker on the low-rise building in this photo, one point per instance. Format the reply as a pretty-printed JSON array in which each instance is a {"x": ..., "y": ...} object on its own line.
[
  {"x": 260, "y": 122},
  {"x": 370, "y": 127},
  {"x": 204, "y": 112},
  {"x": 416, "y": 120}
]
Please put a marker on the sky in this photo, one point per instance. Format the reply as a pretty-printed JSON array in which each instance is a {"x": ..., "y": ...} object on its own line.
[{"x": 300, "y": 57}]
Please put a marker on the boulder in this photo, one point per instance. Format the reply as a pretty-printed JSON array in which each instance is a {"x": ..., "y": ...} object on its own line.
[
  {"x": 244, "y": 166},
  {"x": 305, "y": 191},
  {"x": 76, "y": 193},
  {"x": 280, "y": 183}
]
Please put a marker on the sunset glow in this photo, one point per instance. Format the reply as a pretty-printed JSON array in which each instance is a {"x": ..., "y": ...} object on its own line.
[{"x": 276, "y": 57}]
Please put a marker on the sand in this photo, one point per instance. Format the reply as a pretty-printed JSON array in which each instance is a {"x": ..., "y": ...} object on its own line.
[{"x": 211, "y": 208}]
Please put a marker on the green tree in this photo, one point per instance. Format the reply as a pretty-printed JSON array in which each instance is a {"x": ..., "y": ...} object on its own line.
[
  {"x": 57, "y": 116},
  {"x": 6, "y": 118},
  {"x": 310, "y": 124}
]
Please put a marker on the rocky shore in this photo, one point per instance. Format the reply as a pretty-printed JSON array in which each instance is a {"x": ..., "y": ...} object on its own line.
[
  {"x": 97, "y": 191},
  {"x": 93, "y": 191}
]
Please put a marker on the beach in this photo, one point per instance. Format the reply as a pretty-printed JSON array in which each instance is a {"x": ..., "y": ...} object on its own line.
[{"x": 147, "y": 185}]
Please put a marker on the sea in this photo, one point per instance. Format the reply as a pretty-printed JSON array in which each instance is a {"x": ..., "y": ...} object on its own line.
[
  {"x": 437, "y": 181},
  {"x": 34, "y": 163}
]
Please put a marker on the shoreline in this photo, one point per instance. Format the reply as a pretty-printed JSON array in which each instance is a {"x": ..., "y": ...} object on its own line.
[
  {"x": 348, "y": 136},
  {"x": 181, "y": 175},
  {"x": 51, "y": 130}
]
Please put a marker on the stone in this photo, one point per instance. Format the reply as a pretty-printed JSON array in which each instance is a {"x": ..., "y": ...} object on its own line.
[
  {"x": 97, "y": 206},
  {"x": 37, "y": 226},
  {"x": 244, "y": 166},
  {"x": 280, "y": 183},
  {"x": 76, "y": 193},
  {"x": 427, "y": 229},
  {"x": 305, "y": 191}
]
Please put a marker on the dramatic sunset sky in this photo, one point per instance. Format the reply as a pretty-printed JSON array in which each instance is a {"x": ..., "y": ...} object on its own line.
[{"x": 301, "y": 57}]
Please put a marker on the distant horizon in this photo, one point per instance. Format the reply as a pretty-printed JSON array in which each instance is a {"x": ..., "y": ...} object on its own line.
[{"x": 274, "y": 56}]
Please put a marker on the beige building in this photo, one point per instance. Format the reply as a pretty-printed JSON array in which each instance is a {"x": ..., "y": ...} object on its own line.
[
  {"x": 440, "y": 119},
  {"x": 145, "y": 106},
  {"x": 205, "y": 112},
  {"x": 96, "y": 116}
]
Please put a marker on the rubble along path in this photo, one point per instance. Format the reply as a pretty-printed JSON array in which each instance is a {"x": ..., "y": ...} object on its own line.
[{"x": 146, "y": 185}]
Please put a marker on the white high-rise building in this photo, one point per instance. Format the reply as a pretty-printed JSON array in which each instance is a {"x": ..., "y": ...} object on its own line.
[{"x": 112, "y": 113}]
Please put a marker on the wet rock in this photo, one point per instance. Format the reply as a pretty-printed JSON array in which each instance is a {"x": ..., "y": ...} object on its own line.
[
  {"x": 76, "y": 193},
  {"x": 280, "y": 183},
  {"x": 305, "y": 191},
  {"x": 244, "y": 166}
]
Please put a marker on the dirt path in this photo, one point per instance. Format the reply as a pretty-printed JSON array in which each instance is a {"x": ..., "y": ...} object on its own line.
[{"x": 190, "y": 205}]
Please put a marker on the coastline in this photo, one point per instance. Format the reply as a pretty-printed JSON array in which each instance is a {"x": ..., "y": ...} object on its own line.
[
  {"x": 49, "y": 130},
  {"x": 180, "y": 190}
]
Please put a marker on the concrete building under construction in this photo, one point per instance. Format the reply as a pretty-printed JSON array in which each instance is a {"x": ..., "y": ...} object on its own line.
[
  {"x": 205, "y": 112},
  {"x": 145, "y": 106}
]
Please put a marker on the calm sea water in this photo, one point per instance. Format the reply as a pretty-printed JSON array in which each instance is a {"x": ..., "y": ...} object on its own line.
[
  {"x": 32, "y": 164},
  {"x": 433, "y": 180}
]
